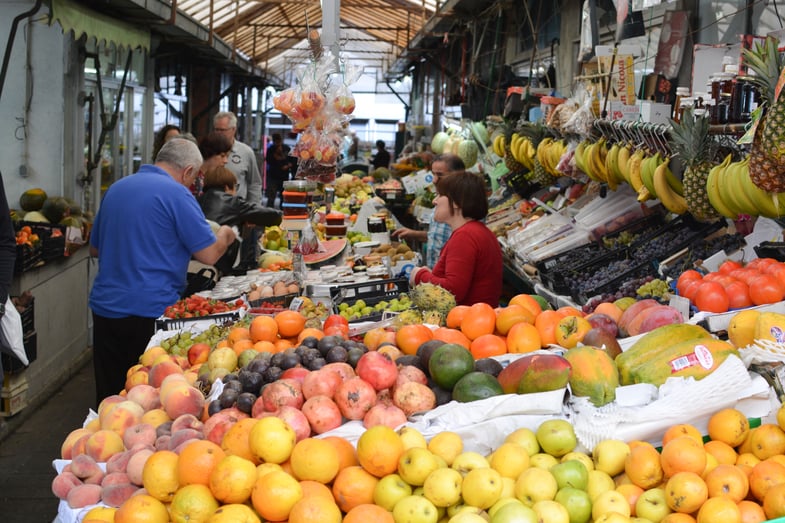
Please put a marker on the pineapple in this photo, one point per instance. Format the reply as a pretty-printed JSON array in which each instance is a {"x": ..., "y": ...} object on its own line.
[
  {"x": 536, "y": 132},
  {"x": 690, "y": 140},
  {"x": 767, "y": 155}
]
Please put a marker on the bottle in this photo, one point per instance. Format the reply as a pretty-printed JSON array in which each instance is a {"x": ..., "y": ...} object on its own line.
[{"x": 681, "y": 93}]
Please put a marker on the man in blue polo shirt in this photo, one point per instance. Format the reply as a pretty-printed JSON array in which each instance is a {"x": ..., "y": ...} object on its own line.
[{"x": 146, "y": 231}]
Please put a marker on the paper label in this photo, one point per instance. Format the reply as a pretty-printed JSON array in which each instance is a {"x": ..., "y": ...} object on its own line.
[
  {"x": 701, "y": 355},
  {"x": 296, "y": 303}
]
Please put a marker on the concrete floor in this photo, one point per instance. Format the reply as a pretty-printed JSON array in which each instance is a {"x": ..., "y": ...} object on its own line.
[{"x": 30, "y": 440}]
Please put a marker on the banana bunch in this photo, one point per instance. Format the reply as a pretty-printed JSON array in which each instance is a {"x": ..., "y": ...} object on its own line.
[
  {"x": 549, "y": 153},
  {"x": 593, "y": 158},
  {"x": 523, "y": 150},
  {"x": 731, "y": 192},
  {"x": 668, "y": 187},
  {"x": 616, "y": 165},
  {"x": 498, "y": 145}
]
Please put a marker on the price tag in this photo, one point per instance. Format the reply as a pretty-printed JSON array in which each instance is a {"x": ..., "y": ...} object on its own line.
[
  {"x": 296, "y": 303},
  {"x": 681, "y": 304}
]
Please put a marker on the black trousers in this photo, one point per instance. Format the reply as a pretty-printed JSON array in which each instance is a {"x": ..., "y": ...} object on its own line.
[{"x": 117, "y": 345}]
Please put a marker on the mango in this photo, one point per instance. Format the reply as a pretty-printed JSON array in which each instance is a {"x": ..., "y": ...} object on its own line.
[
  {"x": 512, "y": 377},
  {"x": 594, "y": 374}
]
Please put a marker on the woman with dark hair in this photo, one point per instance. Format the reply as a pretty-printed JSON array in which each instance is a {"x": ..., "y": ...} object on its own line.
[
  {"x": 470, "y": 264},
  {"x": 164, "y": 134}
]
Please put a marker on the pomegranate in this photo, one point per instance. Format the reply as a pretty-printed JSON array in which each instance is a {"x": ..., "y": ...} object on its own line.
[
  {"x": 321, "y": 383},
  {"x": 355, "y": 397},
  {"x": 377, "y": 369},
  {"x": 384, "y": 414},
  {"x": 414, "y": 397},
  {"x": 322, "y": 414},
  {"x": 282, "y": 392}
]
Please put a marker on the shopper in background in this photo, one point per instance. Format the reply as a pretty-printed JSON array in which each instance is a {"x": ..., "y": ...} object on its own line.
[
  {"x": 144, "y": 235},
  {"x": 470, "y": 264},
  {"x": 215, "y": 148},
  {"x": 279, "y": 166},
  {"x": 382, "y": 156},
  {"x": 242, "y": 159},
  {"x": 221, "y": 204},
  {"x": 438, "y": 232},
  {"x": 164, "y": 134}
]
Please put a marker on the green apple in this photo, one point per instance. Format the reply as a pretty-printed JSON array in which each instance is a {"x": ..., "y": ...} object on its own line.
[
  {"x": 443, "y": 487},
  {"x": 246, "y": 356},
  {"x": 481, "y": 487},
  {"x": 609, "y": 456},
  {"x": 652, "y": 505},
  {"x": 389, "y": 490},
  {"x": 556, "y": 437},
  {"x": 411, "y": 437},
  {"x": 415, "y": 509},
  {"x": 469, "y": 460},
  {"x": 542, "y": 460},
  {"x": 525, "y": 438},
  {"x": 550, "y": 511},
  {"x": 514, "y": 513},
  {"x": 571, "y": 473},
  {"x": 504, "y": 500},
  {"x": 415, "y": 464},
  {"x": 535, "y": 484},
  {"x": 610, "y": 501},
  {"x": 598, "y": 483},
  {"x": 580, "y": 456},
  {"x": 576, "y": 502}
]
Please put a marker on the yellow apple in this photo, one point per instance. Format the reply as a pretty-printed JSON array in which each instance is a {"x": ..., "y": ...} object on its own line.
[
  {"x": 469, "y": 460},
  {"x": 610, "y": 501},
  {"x": 609, "y": 456},
  {"x": 443, "y": 487},
  {"x": 415, "y": 464},
  {"x": 481, "y": 487},
  {"x": 535, "y": 484},
  {"x": 556, "y": 437},
  {"x": 412, "y": 437},
  {"x": 525, "y": 438},
  {"x": 501, "y": 502},
  {"x": 551, "y": 511},
  {"x": 612, "y": 517},
  {"x": 415, "y": 509},
  {"x": 389, "y": 490},
  {"x": 510, "y": 459},
  {"x": 652, "y": 504},
  {"x": 542, "y": 461},
  {"x": 515, "y": 513},
  {"x": 579, "y": 456},
  {"x": 598, "y": 483}
]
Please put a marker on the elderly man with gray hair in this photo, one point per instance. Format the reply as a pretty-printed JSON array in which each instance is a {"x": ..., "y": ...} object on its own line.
[
  {"x": 147, "y": 229},
  {"x": 242, "y": 159}
]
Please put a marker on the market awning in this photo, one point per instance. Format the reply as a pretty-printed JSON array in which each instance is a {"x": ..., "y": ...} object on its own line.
[{"x": 82, "y": 20}]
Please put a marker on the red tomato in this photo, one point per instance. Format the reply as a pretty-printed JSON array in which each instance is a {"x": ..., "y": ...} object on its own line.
[
  {"x": 711, "y": 297},
  {"x": 761, "y": 263},
  {"x": 738, "y": 295},
  {"x": 766, "y": 289},
  {"x": 728, "y": 266},
  {"x": 745, "y": 274},
  {"x": 690, "y": 288},
  {"x": 686, "y": 277}
]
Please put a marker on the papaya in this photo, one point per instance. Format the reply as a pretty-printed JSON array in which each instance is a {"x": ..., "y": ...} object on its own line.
[
  {"x": 695, "y": 358},
  {"x": 741, "y": 330},
  {"x": 476, "y": 386},
  {"x": 594, "y": 374},
  {"x": 32, "y": 199},
  {"x": 535, "y": 373},
  {"x": 651, "y": 343}
]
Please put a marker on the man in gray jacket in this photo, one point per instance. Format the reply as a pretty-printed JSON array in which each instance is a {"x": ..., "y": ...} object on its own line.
[{"x": 242, "y": 159}]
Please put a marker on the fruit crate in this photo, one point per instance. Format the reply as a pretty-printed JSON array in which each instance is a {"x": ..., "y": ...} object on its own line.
[
  {"x": 13, "y": 398},
  {"x": 642, "y": 228},
  {"x": 371, "y": 292},
  {"x": 673, "y": 237},
  {"x": 556, "y": 280},
  {"x": 774, "y": 250},
  {"x": 582, "y": 294},
  {"x": 222, "y": 318},
  {"x": 28, "y": 317},
  {"x": 271, "y": 304},
  {"x": 52, "y": 236},
  {"x": 11, "y": 364},
  {"x": 28, "y": 257}
]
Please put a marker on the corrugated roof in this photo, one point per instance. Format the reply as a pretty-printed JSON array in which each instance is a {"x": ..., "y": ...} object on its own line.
[{"x": 272, "y": 33}]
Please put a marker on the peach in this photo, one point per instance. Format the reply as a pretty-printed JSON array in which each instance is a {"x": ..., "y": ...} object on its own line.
[
  {"x": 80, "y": 444},
  {"x": 146, "y": 396},
  {"x": 70, "y": 439},
  {"x": 198, "y": 352},
  {"x": 149, "y": 356},
  {"x": 84, "y": 466},
  {"x": 95, "y": 479},
  {"x": 63, "y": 483},
  {"x": 136, "y": 378},
  {"x": 108, "y": 401},
  {"x": 83, "y": 495},
  {"x": 184, "y": 400},
  {"x": 162, "y": 442},
  {"x": 94, "y": 424},
  {"x": 103, "y": 444},
  {"x": 116, "y": 495},
  {"x": 161, "y": 370},
  {"x": 182, "y": 361},
  {"x": 136, "y": 466},
  {"x": 191, "y": 376},
  {"x": 183, "y": 436},
  {"x": 164, "y": 429},
  {"x": 118, "y": 462},
  {"x": 187, "y": 421},
  {"x": 155, "y": 417},
  {"x": 141, "y": 433},
  {"x": 120, "y": 416},
  {"x": 115, "y": 478},
  {"x": 170, "y": 384}
]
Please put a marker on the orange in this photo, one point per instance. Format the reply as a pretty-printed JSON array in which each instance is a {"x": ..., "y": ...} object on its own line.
[
  {"x": 719, "y": 509},
  {"x": 235, "y": 441},
  {"x": 455, "y": 316},
  {"x": 765, "y": 475},
  {"x": 234, "y": 513},
  {"x": 315, "y": 510},
  {"x": 314, "y": 459},
  {"x": 366, "y": 513},
  {"x": 722, "y": 452},
  {"x": 729, "y": 426},
  {"x": 240, "y": 345},
  {"x": 142, "y": 508},
  {"x": 238, "y": 333},
  {"x": 751, "y": 512},
  {"x": 197, "y": 460},
  {"x": 747, "y": 459},
  {"x": 314, "y": 488},
  {"x": 232, "y": 479},
  {"x": 767, "y": 440},
  {"x": 263, "y": 328},
  {"x": 347, "y": 456},
  {"x": 570, "y": 330},
  {"x": 523, "y": 337},
  {"x": 223, "y": 343},
  {"x": 378, "y": 450},
  {"x": 274, "y": 495},
  {"x": 354, "y": 486},
  {"x": 643, "y": 467},
  {"x": 508, "y": 316},
  {"x": 282, "y": 344},
  {"x": 310, "y": 331},
  {"x": 546, "y": 326},
  {"x": 678, "y": 517},
  {"x": 159, "y": 475},
  {"x": 527, "y": 302},
  {"x": 290, "y": 323},
  {"x": 409, "y": 338},
  {"x": 451, "y": 335},
  {"x": 746, "y": 445},
  {"x": 479, "y": 319},
  {"x": 631, "y": 493},
  {"x": 100, "y": 514},
  {"x": 683, "y": 454},
  {"x": 570, "y": 311},
  {"x": 681, "y": 429},
  {"x": 488, "y": 345},
  {"x": 264, "y": 346},
  {"x": 729, "y": 481},
  {"x": 192, "y": 503},
  {"x": 685, "y": 492}
]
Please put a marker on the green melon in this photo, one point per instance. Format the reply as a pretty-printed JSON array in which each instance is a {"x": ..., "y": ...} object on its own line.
[
  {"x": 35, "y": 216},
  {"x": 476, "y": 386},
  {"x": 32, "y": 200},
  {"x": 55, "y": 209},
  {"x": 469, "y": 152},
  {"x": 438, "y": 141}
]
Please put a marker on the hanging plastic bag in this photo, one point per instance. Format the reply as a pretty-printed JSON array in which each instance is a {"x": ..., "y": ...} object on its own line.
[
  {"x": 11, "y": 333},
  {"x": 308, "y": 243}
]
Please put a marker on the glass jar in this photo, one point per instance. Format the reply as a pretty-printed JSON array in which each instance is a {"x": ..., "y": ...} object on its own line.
[
  {"x": 749, "y": 99},
  {"x": 681, "y": 93}
]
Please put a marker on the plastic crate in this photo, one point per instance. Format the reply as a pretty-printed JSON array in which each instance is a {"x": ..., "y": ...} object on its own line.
[
  {"x": 371, "y": 292},
  {"x": 28, "y": 317},
  {"x": 774, "y": 250},
  {"x": 53, "y": 237},
  {"x": 11, "y": 364},
  {"x": 169, "y": 324},
  {"x": 272, "y": 304},
  {"x": 644, "y": 268},
  {"x": 28, "y": 257}
]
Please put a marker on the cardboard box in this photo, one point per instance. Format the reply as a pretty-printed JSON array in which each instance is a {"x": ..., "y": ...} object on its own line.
[{"x": 653, "y": 112}]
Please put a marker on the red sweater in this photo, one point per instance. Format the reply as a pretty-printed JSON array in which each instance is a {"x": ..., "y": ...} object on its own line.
[{"x": 469, "y": 266}]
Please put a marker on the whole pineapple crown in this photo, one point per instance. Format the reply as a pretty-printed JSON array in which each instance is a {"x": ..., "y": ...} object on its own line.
[{"x": 689, "y": 139}]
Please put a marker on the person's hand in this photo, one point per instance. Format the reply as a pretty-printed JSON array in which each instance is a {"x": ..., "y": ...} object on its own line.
[{"x": 402, "y": 233}]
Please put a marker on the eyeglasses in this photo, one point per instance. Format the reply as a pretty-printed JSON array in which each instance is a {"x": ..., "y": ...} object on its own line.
[{"x": 223, "y": 130}]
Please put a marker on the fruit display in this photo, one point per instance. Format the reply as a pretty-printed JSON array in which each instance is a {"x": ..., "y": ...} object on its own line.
[{"x": 196, "y": 306}]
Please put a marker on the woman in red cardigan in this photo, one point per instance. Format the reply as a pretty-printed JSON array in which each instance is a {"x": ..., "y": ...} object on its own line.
[{"x": 470, "y": 264}]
